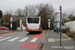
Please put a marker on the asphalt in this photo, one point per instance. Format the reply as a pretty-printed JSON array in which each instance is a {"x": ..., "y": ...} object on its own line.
[
  {"x": 54, "y": 43},
  {"x": 7, "y": 44}
]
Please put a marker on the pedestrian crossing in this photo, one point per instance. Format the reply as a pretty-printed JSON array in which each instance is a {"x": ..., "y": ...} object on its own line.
[
  {"x": 5, "y": 38},
  {"x": 24, "y": 39},
  {"x": 19, "y": 39},
  {"x": 13, "y": 39},
  {"x": 34, "y": 40}
]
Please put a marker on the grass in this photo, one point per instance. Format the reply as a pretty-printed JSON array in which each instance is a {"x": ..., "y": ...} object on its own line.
[{"x": 20, "y": 30}]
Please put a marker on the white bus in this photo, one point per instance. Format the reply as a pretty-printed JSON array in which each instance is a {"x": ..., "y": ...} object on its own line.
[{"x": 33, "y": 24}]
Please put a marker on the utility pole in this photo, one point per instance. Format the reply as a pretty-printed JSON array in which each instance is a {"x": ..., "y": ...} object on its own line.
[{"x": 60, "y": 24}]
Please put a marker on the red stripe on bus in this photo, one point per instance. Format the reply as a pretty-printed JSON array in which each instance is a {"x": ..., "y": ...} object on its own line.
[
  {"x": 30, "y": 45},
  {"x": 38, "y": 35}
]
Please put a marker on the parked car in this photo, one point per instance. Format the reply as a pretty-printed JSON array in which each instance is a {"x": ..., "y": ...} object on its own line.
[{"x": 4, "y": 28}]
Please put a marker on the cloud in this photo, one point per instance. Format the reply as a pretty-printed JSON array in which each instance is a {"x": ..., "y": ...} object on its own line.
[{"x": 67, "y": 5}]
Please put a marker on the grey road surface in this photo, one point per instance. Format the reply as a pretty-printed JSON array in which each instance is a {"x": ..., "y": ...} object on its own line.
[{"x": 13, "y": 41}]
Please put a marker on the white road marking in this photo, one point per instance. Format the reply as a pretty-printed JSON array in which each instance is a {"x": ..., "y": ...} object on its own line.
[
  {"x": 4, "y": 38},
  {"x": 51, "y": 40},
  {"x": 61, "y": 39},
  {"x": 13, "y": 39},
  {"x": 24, "y": 39},
  {"x": 34, "y": 40}
]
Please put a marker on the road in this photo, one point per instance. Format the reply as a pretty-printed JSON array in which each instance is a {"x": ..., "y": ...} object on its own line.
[{"x": 20, "y": 41}]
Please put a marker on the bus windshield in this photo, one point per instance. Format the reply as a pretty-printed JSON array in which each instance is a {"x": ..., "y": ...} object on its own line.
[{"x": 33, "y": 20}]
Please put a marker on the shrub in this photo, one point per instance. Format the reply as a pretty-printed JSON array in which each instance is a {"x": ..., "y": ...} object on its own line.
[
  {"x": 69, "y": 34},
  {"x": 65, "y": 30}
]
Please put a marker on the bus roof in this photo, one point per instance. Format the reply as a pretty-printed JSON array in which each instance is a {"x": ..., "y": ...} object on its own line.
[{"x": 33, "y": 16}]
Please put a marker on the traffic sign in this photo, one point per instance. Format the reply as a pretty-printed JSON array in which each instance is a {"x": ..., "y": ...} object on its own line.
[
  {"x": 58, "y": 12},
  {"x": 58, "y": 25},
  {"x": 10, "y": 18},
  {"x": 11, "y": 25},
  {"x": 49, "y": 24}
]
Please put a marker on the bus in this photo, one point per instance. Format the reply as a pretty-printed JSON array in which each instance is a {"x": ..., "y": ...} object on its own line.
[{"x": 33, "y": 24}]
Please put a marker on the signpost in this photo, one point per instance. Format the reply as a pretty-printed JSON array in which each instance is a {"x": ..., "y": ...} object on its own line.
[
  {"x": 49, "y": 23},
  {"x": 11, "y": 23},
  {"x": 21, "y": 24},
  {"x": 60, "y": 23},
  {"x": 58, "y": 26}
]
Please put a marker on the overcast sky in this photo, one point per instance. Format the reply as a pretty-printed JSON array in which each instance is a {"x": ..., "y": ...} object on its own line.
[{"x": 68, "y": 5}]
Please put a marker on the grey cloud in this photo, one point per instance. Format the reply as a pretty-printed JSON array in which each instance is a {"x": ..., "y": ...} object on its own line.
[{"x": 6, "y": 5}]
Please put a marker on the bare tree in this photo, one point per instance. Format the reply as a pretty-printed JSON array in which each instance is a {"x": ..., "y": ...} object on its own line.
[
  {"x": 46, "y": 11},
  {"x": 1, "y": 14},
  {"x": 18, "y": 12},
  {"x": 11, "y": 12},
  {"x": 7, "y": 16},
  {"x": 25, "y": 11},
  {"x": 64, "y": 17},
  {"x": 29, "y": 10},
  {"x": 71, "y": 16}
]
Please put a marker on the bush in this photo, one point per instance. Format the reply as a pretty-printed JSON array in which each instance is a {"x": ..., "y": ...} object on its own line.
[
  {"x": 65, "y": 30},
  {"x": 69, "y": 34},
  {"x": 18, "y": 30},
  {"x": 74, "y": 36}
]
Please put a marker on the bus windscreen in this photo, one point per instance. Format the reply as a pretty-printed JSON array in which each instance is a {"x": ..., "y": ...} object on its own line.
[{"x": 33, "y": 20}]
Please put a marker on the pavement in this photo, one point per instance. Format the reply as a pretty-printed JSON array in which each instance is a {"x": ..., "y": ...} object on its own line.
[
  {"x": 1, "y": 31},
  {"x": 20, "y": 40},
  {"x": 53, "y": 42},
  {"x": 8, "y": 31},
  {"x": 5, "y": 31}
]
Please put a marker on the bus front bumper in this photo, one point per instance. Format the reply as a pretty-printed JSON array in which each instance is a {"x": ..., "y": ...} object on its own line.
[{"x": 33, "y": 30}]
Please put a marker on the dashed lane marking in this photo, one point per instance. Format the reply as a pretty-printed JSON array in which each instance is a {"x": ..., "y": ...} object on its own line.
[
  {"x": 4, "y": 38},
  {"x": 24, "y": 39},
  {"x": 34, "y": 40},
  {"x": 13, "y": 39},
  {"x": 51, "y": 40}
]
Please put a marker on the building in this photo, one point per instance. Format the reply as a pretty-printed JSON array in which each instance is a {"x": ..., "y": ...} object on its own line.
[{"x": 20, "y": 18}]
